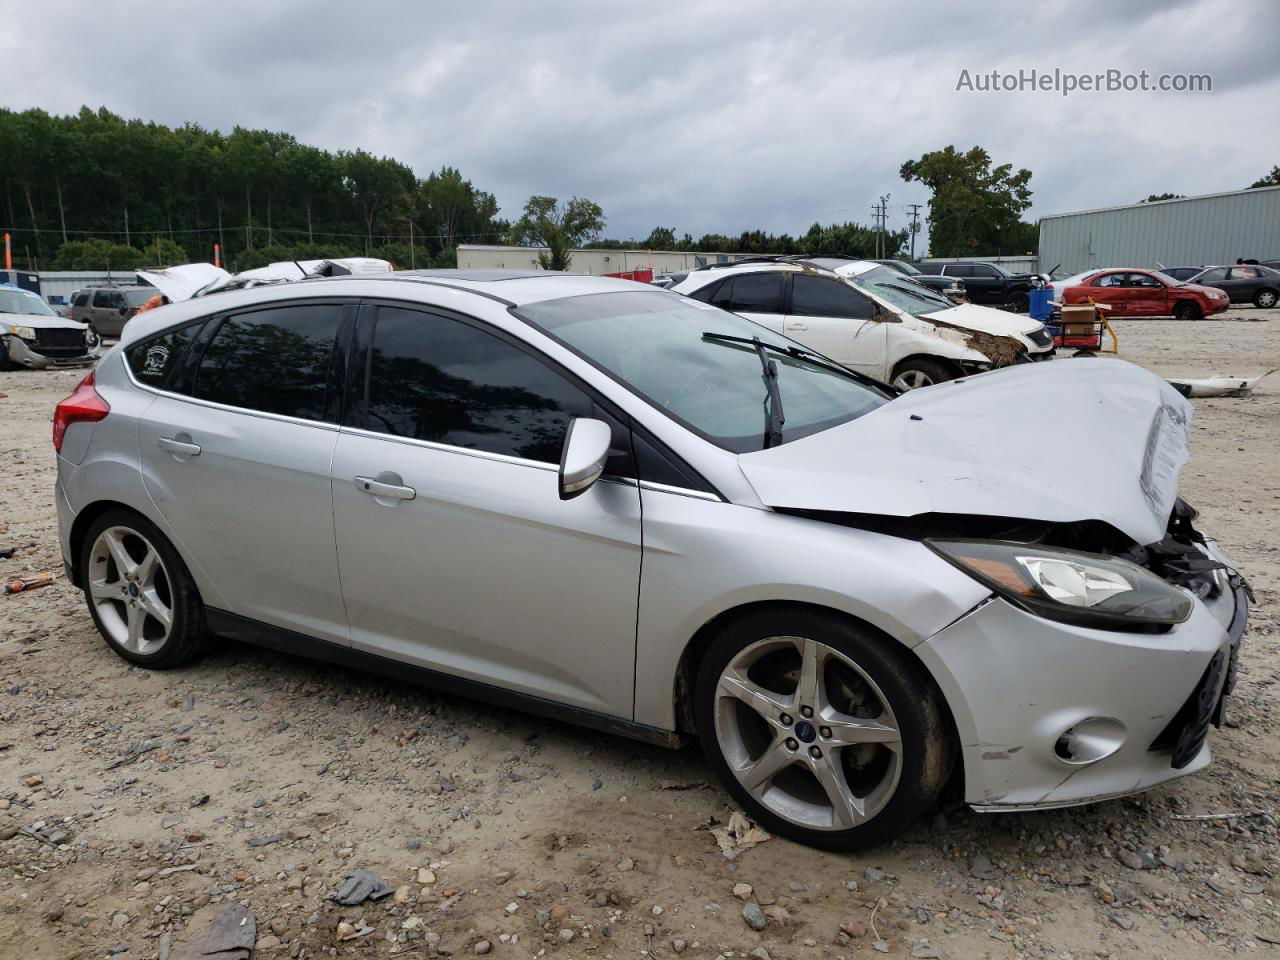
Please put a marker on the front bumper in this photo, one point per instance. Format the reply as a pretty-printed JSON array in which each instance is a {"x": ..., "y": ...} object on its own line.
[
  {"x": 1017, "y": 682},
  {"x": 21, "y": 353}
]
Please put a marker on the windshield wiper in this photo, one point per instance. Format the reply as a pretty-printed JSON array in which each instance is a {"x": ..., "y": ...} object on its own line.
[{"x": 773, "y": 436}]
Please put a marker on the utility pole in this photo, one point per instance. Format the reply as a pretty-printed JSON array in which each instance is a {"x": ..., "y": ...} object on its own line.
[
  {"x": 915, "y": 227},
  {"x": 884, "y": 225}
]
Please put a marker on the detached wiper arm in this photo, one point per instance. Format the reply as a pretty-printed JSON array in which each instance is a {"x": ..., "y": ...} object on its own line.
[{"x": 773, "y": 436}]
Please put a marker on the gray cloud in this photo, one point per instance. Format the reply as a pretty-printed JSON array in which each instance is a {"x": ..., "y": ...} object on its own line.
[{"x": 706, "y": 117}]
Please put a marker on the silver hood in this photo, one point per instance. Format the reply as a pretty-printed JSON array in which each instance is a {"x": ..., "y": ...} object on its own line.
[
  {"x": 1062, "y": 442},
  {"x": 39, "y": 321}
]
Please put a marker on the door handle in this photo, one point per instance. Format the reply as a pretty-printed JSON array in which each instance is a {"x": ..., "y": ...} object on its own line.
[
  {"x": 376, "y": 488},
  {"x": 799, "y": 326},
  {"x": 182, "y": 448}
]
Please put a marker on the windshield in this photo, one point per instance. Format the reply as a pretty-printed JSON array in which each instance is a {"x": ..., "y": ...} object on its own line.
[
  {"x": 902, "y": 267},
  {"x": 652, "y": 342},
  {"x": 137, "y": 296},
  {"x": 902, "y": 293},
  {"x": 25, "y": 304}
]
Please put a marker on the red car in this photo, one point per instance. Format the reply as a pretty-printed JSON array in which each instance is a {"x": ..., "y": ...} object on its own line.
[{"x": 1147, "y": 293}]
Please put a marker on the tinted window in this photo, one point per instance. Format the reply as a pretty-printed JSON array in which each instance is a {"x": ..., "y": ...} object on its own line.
[
  {"x": 984, "y": 271},
  {"x": 154, "y": 361},
  {"x": 822, "y": 297},
  {"x": 276, "y": 361},
  {"x": 706, "y": 293},
  {"x": 81, "y": 300},
  {"x": 432, "y": 378},
  {"x": 111, "y": 299},
  {"x": 957, "y": 270},
  {"x": 754, "y": 293}
]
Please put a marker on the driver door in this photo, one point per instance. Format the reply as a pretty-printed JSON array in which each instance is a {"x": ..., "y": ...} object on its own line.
[{"x": 832, "y": 318}]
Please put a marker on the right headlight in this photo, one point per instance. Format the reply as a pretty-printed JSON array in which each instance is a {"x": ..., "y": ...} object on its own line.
[
  {"x": 22, "y": 333},
  {"x": 1083, "y": 588}
]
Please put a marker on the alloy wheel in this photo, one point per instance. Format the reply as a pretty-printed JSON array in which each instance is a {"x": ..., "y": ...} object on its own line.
[
  {"x": 130, "y": 590},
  {"x": 808, "y": 733},
  {"x": 910, "y": 379}
]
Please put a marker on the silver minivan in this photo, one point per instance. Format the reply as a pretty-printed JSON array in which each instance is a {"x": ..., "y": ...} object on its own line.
[{"x": 603, "y": 501}]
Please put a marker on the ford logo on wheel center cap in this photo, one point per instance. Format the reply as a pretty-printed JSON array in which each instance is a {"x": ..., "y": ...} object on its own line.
[{"x": 805, "y": 731}]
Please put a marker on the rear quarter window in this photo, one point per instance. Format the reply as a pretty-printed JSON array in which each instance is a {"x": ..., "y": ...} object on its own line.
[{"x": 154, "y": 361}]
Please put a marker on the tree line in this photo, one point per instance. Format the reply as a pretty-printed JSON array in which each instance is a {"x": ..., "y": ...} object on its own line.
[{"x": 82, "y": 187}]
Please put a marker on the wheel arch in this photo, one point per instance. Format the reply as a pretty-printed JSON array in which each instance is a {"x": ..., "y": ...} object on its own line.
[
  {"x": 950, "y": 363},
  {"x": 693, "y": 652}
]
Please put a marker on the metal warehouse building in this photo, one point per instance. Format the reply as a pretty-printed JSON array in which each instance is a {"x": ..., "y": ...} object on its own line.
[{"x": 1209, "y": 230}]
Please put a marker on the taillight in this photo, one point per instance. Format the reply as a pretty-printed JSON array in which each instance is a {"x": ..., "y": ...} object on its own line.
[{"x": 85, "y": 405}]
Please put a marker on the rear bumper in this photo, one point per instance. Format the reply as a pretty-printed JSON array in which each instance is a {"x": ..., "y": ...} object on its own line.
[{"x": 1016, "y": 683}]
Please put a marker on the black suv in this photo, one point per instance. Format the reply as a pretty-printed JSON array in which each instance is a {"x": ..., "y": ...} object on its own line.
[{"x": 987, "y": 283}]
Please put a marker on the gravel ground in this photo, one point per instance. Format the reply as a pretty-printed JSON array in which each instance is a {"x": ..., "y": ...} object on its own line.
[{"x": 135, "y": 806}]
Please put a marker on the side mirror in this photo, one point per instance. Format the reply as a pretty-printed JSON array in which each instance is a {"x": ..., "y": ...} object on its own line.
[
  {"x": 123, "y": 311},
  {"x": 586, "y": 448}
]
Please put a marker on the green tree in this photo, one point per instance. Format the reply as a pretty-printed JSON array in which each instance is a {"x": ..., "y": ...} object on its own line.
[
  {"x": 1272, "y": 179},
  {"x": 559, "y": 228},
  {"x": 661, "y": 238},
  {"x": 974, "y": 208},
  {"x": 1157, "y": 197}
]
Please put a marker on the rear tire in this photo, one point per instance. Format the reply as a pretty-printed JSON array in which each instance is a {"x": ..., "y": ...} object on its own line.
[
  {"x": 1186, "y": 310},
  {"x": 920, "y": 372},
  {"x": 821, "y": 729},
  {"x": 140, "y": 593},
  {"x": 1264, "y": 299}
]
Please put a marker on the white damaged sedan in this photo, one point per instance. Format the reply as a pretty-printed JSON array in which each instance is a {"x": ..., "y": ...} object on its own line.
[{"x": 601, "y": 501}]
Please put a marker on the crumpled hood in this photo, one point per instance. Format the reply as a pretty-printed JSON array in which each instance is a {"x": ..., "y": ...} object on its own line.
[
  {"x": 180, "y": 282},
  {"x": 40, "y": 321},
  {"x": 971, "y": 316},
  {"x": 1061, "y": 442}
]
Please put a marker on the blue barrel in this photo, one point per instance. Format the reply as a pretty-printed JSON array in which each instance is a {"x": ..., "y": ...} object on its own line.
[{"x": 1040, "y": 308}]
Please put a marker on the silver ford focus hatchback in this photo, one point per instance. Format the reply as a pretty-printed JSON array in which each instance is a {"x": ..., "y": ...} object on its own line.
[{"x": 602, "y": 501}]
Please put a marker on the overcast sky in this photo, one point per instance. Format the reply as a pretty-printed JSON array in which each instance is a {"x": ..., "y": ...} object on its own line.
[{"x": 705, "y": 117}]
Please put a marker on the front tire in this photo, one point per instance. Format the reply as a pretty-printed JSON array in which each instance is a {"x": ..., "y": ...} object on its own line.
[
  {"x": 822, "y": 730},
  {"x": 1186, "y": 310},
  {"x": 920, "y": 372},
  {"x": 140, "y": 593},
  {"x": 1264, "y": 299}
]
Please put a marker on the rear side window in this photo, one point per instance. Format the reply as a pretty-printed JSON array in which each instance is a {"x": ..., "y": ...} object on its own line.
[
  {"x": 751, "y": 293},
  {"x": 957, "y": 270},
  {"x": 438, "y": 379},
  {"x": 154, "y": 361},
  {"x": 823, "y": 297},
  {"x": 275, "y": 361}
]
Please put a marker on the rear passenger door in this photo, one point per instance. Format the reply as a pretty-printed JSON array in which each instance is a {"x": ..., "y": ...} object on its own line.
[
  {"x": 457, "y": 553},
  {"x": 829, "y": 316},
  {"x": 107, "y": 316},
  {"x": 236, "y": 451},
  {"x": 756, "y": 296},
  {"x": 983, "y": 284}
]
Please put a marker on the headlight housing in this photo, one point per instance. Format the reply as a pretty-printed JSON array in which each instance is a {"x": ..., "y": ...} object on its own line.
[
  {"x": 1088, "y": 589},
  {"x": 22, "y": 333}
]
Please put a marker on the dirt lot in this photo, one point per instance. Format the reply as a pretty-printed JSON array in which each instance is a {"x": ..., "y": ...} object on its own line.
[{"x": 156, "y": 798}]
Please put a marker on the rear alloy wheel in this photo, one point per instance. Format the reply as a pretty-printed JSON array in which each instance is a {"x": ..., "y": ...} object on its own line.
[
  {"x": 1264, "y": 299},
  {"x": 822, "y": 732},
  {"x": 919, "y": 372},
  {"x": 140, "y": 594},
  {"x": 1186, "y": 310}
]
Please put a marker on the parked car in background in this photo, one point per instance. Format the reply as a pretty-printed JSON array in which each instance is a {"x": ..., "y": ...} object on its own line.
[
  {"x": 35, "y": 336},
  {"x": 870, "y": 318},
  {"x": 665, "y": 280},
  {"x": 107, "y": 309},
  {"x": 989, "y": 283},
  {"x": 1243, "y": 283},
  {"x": 1057, "y": 287},
  {"x": 846, "y": 597},
  {"x": 1147, "y": 293},
  {"x": 1182, "y": 274},
  {"x": 949, "y": 287}
]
